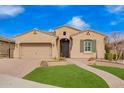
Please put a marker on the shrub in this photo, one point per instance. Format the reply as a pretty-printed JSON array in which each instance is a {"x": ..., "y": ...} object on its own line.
[
  {"x": 91, "y": 59},
  {"x": 58, "y": 58},
  {"x": 106, "y": 56},
  {"x": 109, "y": 56},
  {"x": 44, "y": 64},
  {"x": 107, "y": 48},
  {"x": 114, "y": 56},
  {"x": 54, "y": 58}
]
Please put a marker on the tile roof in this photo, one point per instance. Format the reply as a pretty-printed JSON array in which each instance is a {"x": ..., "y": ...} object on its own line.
[
  {"x": 90, "y": 31},
  {"x": 6, "y": 39},
  {"x": 48, "y": 33},
  {"x": 53, "y": 33}
]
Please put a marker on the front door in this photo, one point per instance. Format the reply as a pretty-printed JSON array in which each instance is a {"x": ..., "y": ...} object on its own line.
[{"x": 64, "y": 47}]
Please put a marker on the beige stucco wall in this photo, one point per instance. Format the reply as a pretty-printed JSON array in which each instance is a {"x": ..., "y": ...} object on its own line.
[
  {"x": 41, "y": 37},
  {"x": 30, "y": 37},
  {"x": 75, "y": 50},
  {"x": 4, "y": 49},
  {"x": 100, "y": 50},
  {"x": 59, "y": 32},
  {"x": 12, "y": 48}
]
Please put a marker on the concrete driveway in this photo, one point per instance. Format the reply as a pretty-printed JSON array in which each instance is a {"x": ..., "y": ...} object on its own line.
[
  {"x": 7, "y": 81},
  {"x": 18, "y": 67}
]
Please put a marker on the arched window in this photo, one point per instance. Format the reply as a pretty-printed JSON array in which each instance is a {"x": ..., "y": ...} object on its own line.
[{"x": 64, "y": 33}]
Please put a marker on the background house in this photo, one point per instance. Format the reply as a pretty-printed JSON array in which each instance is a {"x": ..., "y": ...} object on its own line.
[{"x": 6, "y": 47}]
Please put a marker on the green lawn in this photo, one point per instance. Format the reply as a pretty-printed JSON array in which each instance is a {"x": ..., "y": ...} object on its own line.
[
  {"x": 68, "y": 76},
  {"x": 113, "y": 70}
]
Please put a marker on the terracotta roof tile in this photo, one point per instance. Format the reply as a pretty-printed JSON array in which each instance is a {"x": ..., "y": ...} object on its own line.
[{"x": 6, "y": 39}]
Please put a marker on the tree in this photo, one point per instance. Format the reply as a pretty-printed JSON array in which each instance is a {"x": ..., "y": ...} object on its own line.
[
  {"x": 107, "y": 45},
  {"x": 115, "y": 39}
]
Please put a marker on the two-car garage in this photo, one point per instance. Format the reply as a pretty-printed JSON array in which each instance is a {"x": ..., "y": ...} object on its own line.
[
  {"x": 35, "y": 44},
  {"x": 35, "y": 50}
]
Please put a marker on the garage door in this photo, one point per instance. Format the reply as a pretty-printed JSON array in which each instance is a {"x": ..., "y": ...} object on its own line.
[{"x": 36, "y": 50}]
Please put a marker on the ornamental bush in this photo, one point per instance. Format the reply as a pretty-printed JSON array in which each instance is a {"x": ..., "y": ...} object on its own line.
[{"x": 109, "y": 56}]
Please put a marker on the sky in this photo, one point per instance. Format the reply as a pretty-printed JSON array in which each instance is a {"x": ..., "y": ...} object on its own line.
[{"x": 19, "y": 19}]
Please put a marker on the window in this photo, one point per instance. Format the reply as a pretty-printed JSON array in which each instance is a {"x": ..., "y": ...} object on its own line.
[
  {"x": 64, "y": 33},
  {"x": 88, "y": 46}
]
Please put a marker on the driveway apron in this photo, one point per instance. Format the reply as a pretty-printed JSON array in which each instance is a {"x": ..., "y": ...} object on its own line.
[
  {"x": 7, "y": 81},
  {"x": 18, "y": 67}
]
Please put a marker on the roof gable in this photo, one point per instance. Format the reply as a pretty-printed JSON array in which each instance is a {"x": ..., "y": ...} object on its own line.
[
  {"x": 34, "y": 31},
  {"x": 34, "y": 36},
  {"x": 89, "y": 31}
]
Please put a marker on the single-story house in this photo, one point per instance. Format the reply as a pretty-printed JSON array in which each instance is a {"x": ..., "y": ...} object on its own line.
[
  {"x": 6, "y": 47},
  {"x": 64, "y": 41}
]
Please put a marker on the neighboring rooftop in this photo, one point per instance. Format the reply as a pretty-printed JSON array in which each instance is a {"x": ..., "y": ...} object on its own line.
[{"x": 6, "y": 39}]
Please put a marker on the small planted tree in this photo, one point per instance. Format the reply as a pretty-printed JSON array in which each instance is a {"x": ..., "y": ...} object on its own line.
[{"x": 117, "y": 50}]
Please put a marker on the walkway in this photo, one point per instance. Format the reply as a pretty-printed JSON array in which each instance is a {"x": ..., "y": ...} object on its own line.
[
  {"x": 111, "y": 80},
  {"x": 7, "y": 81}
]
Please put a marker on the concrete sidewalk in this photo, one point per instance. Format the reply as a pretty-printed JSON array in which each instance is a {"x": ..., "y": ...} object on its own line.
[
  {"x": 7, "y": 81},
  {"x": 111, "y": 80}
]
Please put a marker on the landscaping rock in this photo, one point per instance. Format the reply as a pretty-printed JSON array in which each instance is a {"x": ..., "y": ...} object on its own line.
[{"x": 44, "y": 64}]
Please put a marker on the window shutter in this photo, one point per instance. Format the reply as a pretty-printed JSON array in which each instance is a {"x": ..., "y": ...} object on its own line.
[
  {"x": 94, "y": 45},
  {"x": 81, "y": 46}
]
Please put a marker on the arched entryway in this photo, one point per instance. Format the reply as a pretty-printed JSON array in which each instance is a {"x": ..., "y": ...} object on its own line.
[{"x": 64, "y": 47}]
